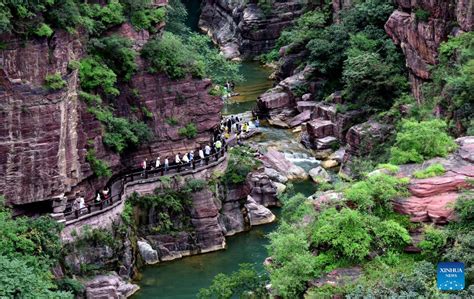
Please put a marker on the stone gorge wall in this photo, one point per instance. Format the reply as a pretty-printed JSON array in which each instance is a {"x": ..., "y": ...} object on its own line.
[
  {"x": 419, "y": 39},
  {"x": 44, "y": 134},
  {"x": 243, "y": 29}
]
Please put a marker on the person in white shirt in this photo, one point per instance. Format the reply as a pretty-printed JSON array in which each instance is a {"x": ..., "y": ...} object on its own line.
[
  {"x": 167, "y": 164},
  {"x": 201, "y": 156},
  {"x": 157, "y": 163},
  {"x": 207, "y": 150}
]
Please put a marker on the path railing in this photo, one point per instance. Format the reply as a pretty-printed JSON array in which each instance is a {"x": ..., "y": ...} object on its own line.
[{"x": 117, "y": 184}]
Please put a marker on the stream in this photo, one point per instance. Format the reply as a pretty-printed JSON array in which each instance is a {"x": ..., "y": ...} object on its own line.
[{"x": 185, "y": 277}]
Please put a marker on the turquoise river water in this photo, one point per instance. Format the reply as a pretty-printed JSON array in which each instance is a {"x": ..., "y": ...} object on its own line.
[{"x": 182, "y": 279}]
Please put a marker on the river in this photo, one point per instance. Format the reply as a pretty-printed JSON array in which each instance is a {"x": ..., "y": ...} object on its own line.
[{"x": 184, "y": 278}]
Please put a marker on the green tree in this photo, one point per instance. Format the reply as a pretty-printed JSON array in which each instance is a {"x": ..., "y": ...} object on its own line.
[
  {"x": 95, "y": 74},
  {"x": 246, "y": 279},
  {"x": 117, "y": 53},
  {"x": 453, "y": 81},
  {"x": 418, "y": 141}
]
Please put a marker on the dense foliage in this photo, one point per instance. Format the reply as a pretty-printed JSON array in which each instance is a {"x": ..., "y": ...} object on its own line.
[
  {"x": 42, "y": 16},
  {"x": 179, "y": 55},
  {"x": 419, "y": 141},
  {"x": 453, "y": 83},
  {"x": 117, "y": 53},
  {"x": 121, "y": 133},
  {"x": 246, "y": 279},
  {"x": 171, "y": 205},
  {"x": 54, "y": 81},
  {"x": 28, "y": 249},
  {"x": 99, "y": 167},
  {"x": 354, "y": 55},
  {"x": 241, "y": 162}
]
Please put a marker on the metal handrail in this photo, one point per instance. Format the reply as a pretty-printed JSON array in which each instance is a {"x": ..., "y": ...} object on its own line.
[{"x": 93, "y": 206}]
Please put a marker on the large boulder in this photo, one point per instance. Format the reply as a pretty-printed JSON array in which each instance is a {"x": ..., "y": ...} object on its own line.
[
  {"x": 338, "y": 277},
  {"x": 275, "y": 175},
  {"x": 277, "y": 160},
  {"x": 319, "y": 128},
  {"x": 257, "y": 213},
  {"x": 363, "y": 138},
  {"x": 273, "y": 99},
  {"x": 109, "y": 286},
  {"x": 149, "y": 255},
  {"x": 299, "y": 119},
  {"x": 437, "y": 208},
  {"x": 319, "y": 175}
]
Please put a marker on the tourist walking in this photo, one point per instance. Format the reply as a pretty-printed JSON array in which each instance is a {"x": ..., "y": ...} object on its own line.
[
  {"x": 166, "y": 164},
  {"x": 157, "y": 163},
  {"x": 201, "y": 156},
  {"x": 185, "y": 160},
  {"x": 177, "y": 161},
  {"x": 144, "y": 165}
]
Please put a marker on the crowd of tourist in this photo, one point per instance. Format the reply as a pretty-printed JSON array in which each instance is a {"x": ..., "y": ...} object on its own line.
[{"x": 192, "y": 159}]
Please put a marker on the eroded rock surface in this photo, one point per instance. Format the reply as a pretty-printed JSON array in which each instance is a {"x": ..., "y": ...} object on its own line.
[
  {"x": 433, "y": 198},
  {"x": 243, "y": 29},
  {"x": 109, "y": 286}
]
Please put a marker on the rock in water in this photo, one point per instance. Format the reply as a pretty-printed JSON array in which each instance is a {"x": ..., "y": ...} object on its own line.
[
  {"x": 258, "y": 214},
  {"x": 149, "y": 255},
  {"x": 276, "y": 160},
  {"x": 329, "y": 164},
  {"x": 319, "y": 175},
  {"x": 275, "y": 175},
  {"x": 109, "y": 286}
]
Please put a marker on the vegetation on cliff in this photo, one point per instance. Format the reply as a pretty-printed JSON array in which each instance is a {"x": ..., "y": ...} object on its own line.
[{"x": 29, "y": 248}]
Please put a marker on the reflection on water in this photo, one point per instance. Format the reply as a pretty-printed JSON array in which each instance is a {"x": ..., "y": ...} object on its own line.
[
  {"x": 256, "y": 82},
  {"x": 184, "y": 278}
]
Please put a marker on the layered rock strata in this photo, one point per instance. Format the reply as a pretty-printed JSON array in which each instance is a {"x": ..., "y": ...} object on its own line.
[
  {"x": 419, "y": 39},
  {"x": 244, "y": 29}
]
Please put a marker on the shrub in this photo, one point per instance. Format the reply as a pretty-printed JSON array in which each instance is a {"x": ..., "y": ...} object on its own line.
[
  {"x": 422, "y": 15},
  {"x": 99, "y": 167},
  {"x": 169, "y": 55},
  {"x": 44, "y": 30},
  {"x": 188, "y": 131},
  {"x": 433, "y": 243},
  {"x": 452, "y": 86},
  {"x": 148, "y": 114},
  {"x": 349, "y": 234},
  {"x": 148, "y": 18},
  {"x": 238, "y": 283},
  {"x": 376, "y": 192},
  {"x": 71, "y": 285},
  {"x": 192, "y": 54},
  {"x": 240, "y": 163},
  {"x": 431, "y": 171},
  {"x": 292, "y": 264},
  {"x": 295, "y": 208},
  {"x": 196, "y": 184},
  {"x": 345, "y": 232},
  {"x": 464, "y": 208},
  {"x": 418, "y": 141},
  {"x": 29, "y": 248},
  {"x": 121, "y": 133},
  {"x": 171, "y": 121},
  {"x": 390, "y": 167},
  {"x": 97, "y": 18},
  {"x": 94, "y": 74},
  {"x": 117, "y": 53},
  {"x": 55, "y": 81}
]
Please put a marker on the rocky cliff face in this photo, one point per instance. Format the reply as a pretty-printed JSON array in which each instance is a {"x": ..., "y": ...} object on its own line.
[
  {"x": 420, "y": 38},
  {"x": 244, "y": 29},
  {"x": 44, "y": 134}
]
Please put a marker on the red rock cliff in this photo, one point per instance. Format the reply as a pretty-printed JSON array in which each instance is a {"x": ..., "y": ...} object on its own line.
[
  {"x": 43, "y": 135},
  {"x": 420, "y": 39}
]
